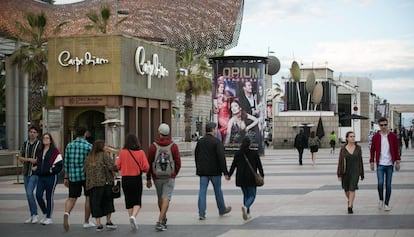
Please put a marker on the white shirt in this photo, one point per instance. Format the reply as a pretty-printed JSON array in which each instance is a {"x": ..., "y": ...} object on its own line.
[{"x": 385, "y": 156}]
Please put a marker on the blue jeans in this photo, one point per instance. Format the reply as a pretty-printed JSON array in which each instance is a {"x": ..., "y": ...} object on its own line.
[
  {"x": 387, "y": 172},
  {"x": 30, "y": 183},
  {"x": 249, "y": 195},
  {"x": 216, "y": 181}
]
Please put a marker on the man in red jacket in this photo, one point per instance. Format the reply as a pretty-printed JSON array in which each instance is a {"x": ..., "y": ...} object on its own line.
[
  {"x": 163, "y": 185},
  {"x": 385, "y": 152}
]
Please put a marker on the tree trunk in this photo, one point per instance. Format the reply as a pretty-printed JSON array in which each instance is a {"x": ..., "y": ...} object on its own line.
[{"x": 188, "y": 113}]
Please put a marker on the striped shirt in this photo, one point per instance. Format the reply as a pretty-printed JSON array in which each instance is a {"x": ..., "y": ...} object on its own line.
[{"x": 75, "y": 155}]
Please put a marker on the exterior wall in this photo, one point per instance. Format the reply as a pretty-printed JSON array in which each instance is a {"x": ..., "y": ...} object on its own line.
[{"x": 287, "y": 125}]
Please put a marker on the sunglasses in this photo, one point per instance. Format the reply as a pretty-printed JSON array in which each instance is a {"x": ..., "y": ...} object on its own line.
[{"x": 383, "y": 125}]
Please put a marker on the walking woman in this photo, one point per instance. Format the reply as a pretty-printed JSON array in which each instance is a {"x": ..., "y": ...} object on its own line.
[
  {"x": 48, "y": 166},
  {"x": 245, "y": 179},
  {"x": 132, "y": 162},
  {"x": 99, "y": 168},
  {"x": 313, "y": 143},
  {"x": 350, "y": 168}
]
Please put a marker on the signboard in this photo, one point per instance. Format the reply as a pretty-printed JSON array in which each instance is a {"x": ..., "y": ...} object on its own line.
[{"x": 238, "y": 100}]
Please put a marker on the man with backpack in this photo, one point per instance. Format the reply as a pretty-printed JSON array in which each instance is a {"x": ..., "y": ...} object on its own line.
[
  {"x": 165, "y": 163},
  {"x": 300, "y": 144}
]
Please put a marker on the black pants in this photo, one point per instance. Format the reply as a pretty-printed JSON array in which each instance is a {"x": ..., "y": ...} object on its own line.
[{"x": 300, "y": 150}]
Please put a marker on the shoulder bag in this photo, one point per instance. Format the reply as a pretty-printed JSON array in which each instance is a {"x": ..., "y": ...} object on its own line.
[{"x": 259, "y": 179}]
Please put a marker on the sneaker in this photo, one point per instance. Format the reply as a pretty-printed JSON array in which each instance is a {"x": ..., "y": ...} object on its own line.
[
  {"x": 88, "y": 225},
  {"x": 99, "y": 228},
  {"x": 380, "y": 204},
  {"x": 160, "y": 227},
  {"x": 249, "y": 217},
  {"x": 228, "y": 209},
  {"x": 164, "y": 222},
  {"x": 387, "y": 208},
  {"x": 43, "y": 219},
  {"x": 29, "y": 220},
  {"x": 111, "y": 226},
  {"x": 35, "y": 219},
  {"x": 201, "y": 218},
  {"x": 244, "y": 212},
  {"x": 66, "y": 221},
  {"x": 47, "y": 221},
  {"x": 133, "y": 223}
]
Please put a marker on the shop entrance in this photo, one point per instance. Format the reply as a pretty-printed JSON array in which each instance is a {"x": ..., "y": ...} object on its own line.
[{"x": 91, "y": 118}]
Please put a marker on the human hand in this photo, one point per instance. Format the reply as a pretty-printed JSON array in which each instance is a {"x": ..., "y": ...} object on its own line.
[
  {"x": 371, "y": 166},
  {"x": 362, "y": 178},
  {"x": 227, "y": 177},
  {"x": 66, "y": 182},
  {"x": 397, "y": 167},
  {"x": 149, "y": 184}
]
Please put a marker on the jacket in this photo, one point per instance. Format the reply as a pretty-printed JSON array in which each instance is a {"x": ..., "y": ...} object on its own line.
[
  {"x": 100, "y": 173},
  {"x": 244, "y": 175},
  {"x": 164, "y": 141},
  {"x": 209, "y": 157},
  {"x": 375, "y": 151},
  {"x": 51, "y": 164}
]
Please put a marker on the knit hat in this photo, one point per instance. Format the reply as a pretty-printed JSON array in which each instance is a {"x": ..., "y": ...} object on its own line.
[{"x": 164, "y": 129}]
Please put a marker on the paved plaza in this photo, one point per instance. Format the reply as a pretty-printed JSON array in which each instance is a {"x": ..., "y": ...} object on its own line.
[{"x": 295, "y": 201}]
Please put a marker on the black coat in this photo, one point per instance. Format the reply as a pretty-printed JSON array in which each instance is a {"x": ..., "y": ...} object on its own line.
[
  {"x": 244, "y": 175},
  {"x": 209, "y": 157}
]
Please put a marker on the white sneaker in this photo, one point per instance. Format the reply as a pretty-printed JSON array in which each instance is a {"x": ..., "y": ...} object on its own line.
[
  {"x": 387, "y": 208},
  {"x": 47, "y": 221},
  {"x": 43, "y": 219},
  {"x": 380, "y": 205},
  {"x": 244, "y": 212},
  {"x": 88, "y": 225},
  {"x": 66, "y": 221},
  {"x": 35, "y": 219},
  {"x": 133, "y": 223},
  {"x": 29, "y": 220}
]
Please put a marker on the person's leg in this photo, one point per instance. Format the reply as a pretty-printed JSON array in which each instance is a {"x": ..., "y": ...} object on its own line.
[
  {"x": 51, "y": 182},
  {"x": 87, "y": 203},
  {"x": 388, "y": 180},
  {"x": 202, "y": 193},
  {"x": 351, "y": 198},
  {"x": 251, "y": 196},
  {"x": 300, "y": 150},
  {"x": 380, "y": 180},
  {"x": 244, "y": 191},
  {"x": 40, "y": 189},
  {"x": 218, "y": 192},
  {"x": 30, "y": 183}
]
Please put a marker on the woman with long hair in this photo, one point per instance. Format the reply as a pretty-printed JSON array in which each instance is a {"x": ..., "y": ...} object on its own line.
[
  {"x": 99, "y": 168},
  {"x": 48, "y": 166},
  {"x": 350, "y": 168},
  {"x": 132, "y": 162},
  {"x": 313, "y": 144},
  {"x": 245, "y": 178},
  {"x": 241, "y": 124}
]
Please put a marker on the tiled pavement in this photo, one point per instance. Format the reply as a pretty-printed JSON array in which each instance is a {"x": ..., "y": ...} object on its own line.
[{"x": 295, "y": 201}]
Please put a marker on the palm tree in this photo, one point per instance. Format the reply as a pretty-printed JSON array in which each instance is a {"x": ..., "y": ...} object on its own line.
[
  {"x": 195, "y": 81},
  {"x": 100, "y": 23},
  {"x": 32, "y": 56}
]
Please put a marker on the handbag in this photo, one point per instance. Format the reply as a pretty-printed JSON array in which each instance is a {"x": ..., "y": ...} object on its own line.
[
  {"x": 116, "y": 188},
  {"x": 258, "y": 178}
]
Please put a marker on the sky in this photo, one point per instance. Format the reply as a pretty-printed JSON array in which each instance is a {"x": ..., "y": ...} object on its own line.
[{"x": 364, "y": 38}]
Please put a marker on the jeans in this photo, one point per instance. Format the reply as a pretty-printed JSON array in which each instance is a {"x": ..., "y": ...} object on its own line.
[
  {"x": 387, "y": 172},
  {"x": 300, "y": 150},
  {"x": 48, "y": 184},
  {"x": 30, "y": 183},
  {"x": 249, "y": 195},
  {"x": 216, "y": 181}
]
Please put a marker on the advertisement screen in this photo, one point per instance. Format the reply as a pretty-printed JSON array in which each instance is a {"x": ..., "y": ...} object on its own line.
[{"x": 239, "y": 102}]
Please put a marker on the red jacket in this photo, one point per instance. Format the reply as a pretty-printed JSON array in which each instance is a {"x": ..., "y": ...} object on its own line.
[
  {"x": 375, "y": 150},
  {"x": 164, "y": 141}
]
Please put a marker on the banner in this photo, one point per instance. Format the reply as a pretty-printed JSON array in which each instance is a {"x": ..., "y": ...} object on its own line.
[{"x": 239, "y": 102}]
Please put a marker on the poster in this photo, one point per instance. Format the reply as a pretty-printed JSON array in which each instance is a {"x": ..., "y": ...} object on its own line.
[{"x": 239, "y": 102}]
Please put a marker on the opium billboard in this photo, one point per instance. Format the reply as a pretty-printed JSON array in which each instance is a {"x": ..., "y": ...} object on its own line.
[{"x": 238, "y": 100}]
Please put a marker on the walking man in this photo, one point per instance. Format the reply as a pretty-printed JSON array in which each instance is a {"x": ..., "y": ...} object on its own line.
[
  {"x": 210, "y": 165},
  {"x": 164, "y": 184},
  {"x": 28, "y": 158},
  {"x": 300, "y": 144},
  {"x": 75, "y": 155},
  {"x": 385, "y": 153}
]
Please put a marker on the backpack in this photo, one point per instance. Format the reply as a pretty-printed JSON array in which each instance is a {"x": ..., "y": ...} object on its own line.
[{"x": 163, "y": 165}]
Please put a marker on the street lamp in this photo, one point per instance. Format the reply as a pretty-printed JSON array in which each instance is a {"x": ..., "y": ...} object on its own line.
[{"x": 119, "y": 12}]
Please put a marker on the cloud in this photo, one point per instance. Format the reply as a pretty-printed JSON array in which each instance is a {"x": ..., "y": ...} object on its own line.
[{"x": 366, "y": 56}]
